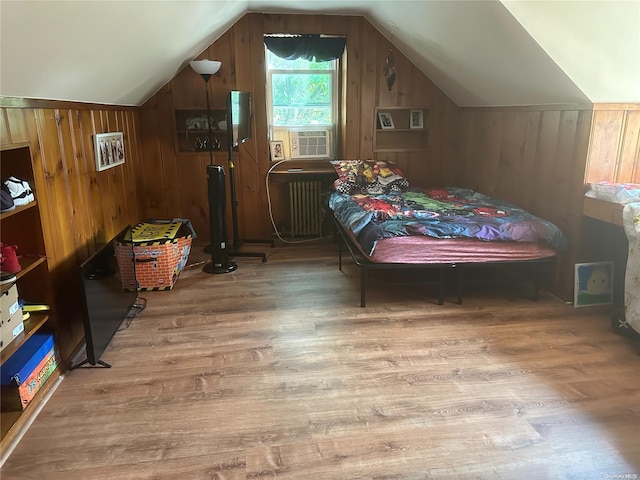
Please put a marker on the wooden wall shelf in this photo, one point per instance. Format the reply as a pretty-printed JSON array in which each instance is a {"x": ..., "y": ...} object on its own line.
[
  {"x": 191, "y": 131},
  {"x": 18, "y": 210},
  {"x": 31, "y": 326},
  {"x": 409, "y": 132}
]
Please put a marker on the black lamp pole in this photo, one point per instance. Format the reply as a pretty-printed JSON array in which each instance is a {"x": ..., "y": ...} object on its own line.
[
  {"x": 216, "y": 189},
  {"x": 206, "y": 77}
]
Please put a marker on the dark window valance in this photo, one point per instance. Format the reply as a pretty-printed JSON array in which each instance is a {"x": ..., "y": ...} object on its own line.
[{"x": 315, "y": 48}]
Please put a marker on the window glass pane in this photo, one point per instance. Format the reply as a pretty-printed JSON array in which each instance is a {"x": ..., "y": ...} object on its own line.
[
  {"x": 301, "y": 92},
  {"x": 301, "y": 89},
  {"x": 301, "y": 116},
  {"x": 301, "y": 99}
]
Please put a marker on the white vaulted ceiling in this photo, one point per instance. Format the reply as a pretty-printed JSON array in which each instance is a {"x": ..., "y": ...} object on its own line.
[{"x": 480, "y": 53}]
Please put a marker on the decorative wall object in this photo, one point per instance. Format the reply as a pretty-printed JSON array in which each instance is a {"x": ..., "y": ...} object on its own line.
[
  {"x": 109, "y": 150},
  {"x": 390, "y": 70}
]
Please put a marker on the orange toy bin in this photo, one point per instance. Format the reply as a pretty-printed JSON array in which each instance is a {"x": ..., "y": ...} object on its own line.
[{"x": 159, "y": 254}]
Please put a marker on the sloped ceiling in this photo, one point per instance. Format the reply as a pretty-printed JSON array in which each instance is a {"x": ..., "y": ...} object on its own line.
[{"x": 480, "y": 53}]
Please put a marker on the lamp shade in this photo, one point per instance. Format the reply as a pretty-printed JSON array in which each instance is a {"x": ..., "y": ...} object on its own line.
[{"x": 205, "y": 67}]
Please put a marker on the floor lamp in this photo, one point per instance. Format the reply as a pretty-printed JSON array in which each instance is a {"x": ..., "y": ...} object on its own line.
[{"x": 216, "y": 188}]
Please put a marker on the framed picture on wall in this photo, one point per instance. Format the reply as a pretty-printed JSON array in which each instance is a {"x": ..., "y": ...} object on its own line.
[
  {"x": 416, "y": 119},
  {"x": 109, "y": 150},
  {"x": 386, "y": 121},
  {"x": 277, "y": 150}
]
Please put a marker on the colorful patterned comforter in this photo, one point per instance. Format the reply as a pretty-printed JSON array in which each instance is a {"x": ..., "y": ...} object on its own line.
[{"x": 449, "y": 212}]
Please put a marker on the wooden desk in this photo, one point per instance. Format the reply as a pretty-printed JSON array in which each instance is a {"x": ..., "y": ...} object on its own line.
[
  {"x": 305, "y": 170},
  {"x": 606, "y": 242},
  {"x": 297, "y": 196},
  {"x": 602, "y": 210}
]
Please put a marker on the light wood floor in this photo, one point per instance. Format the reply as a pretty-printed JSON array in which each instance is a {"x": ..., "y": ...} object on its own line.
[{"x": 274, "y": 371}]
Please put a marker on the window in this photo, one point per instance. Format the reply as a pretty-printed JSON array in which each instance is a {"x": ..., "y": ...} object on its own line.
[{"x": 301, "y": 93}]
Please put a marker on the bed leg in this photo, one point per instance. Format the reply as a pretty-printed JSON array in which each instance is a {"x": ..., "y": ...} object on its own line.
[
  {"x": 460, "y": 270},
  {"x": 340, "y": 254},
  {"x": 363, "y": 286},
  {"x": 536, "y": 282},
  {"x": 441, "y": 289}
]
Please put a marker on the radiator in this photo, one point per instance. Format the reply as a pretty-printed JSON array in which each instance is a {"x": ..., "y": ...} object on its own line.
[{"x": 304, "y": 201}]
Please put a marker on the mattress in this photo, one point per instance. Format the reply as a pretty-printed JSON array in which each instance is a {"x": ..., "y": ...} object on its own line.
[{"x": 426, "y": 250}]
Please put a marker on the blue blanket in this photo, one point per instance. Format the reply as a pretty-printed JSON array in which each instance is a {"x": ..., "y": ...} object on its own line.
[{"x": 448, "y": 212}]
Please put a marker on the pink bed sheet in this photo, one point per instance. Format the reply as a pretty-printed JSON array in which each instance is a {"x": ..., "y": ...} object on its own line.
[{"x": 427, "y": 250}]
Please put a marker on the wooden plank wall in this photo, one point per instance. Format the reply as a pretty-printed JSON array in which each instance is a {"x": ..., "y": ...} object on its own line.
[
  {"x": 175, "y": 184},
  {"x": 614, "y": 147},
  {"x": 81, "y": 208},
  {"x": 614, "y": 156},
  {"x": 534, "y": 157}
]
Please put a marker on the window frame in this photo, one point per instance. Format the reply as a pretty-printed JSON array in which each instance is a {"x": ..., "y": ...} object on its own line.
[{"x": 335, "y": 86}]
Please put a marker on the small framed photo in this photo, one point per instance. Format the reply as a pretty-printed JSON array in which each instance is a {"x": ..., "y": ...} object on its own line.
[
  {"x": 386, "y": 122},
  {"x": 109, "y": 150},
  {"x": 416, "y": 119},
  {"x": 593, "y": 284},
  {"x": 277, "y": 150}
]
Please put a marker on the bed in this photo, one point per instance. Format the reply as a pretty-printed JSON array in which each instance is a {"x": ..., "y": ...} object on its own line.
[{"x": 386, "y": 223}]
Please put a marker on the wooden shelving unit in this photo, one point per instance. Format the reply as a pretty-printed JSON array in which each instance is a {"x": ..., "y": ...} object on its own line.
[
  {"x": 23, "y": 227},
  {"x": 191, "y": 130},
  {"x": 405, "y": 135}
]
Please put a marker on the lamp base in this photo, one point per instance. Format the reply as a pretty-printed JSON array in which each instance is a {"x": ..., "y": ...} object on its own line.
[{"x": 212, "y": 268}]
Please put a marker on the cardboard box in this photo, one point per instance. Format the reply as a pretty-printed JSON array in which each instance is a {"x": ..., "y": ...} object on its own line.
[
  {"x": 11, "y": 324},
  {"x": 9, "y": 303},
  {"x": 155, "y": 257},
  {"x": 11, "y": 329},
  {"x": 26, "y": 371}
]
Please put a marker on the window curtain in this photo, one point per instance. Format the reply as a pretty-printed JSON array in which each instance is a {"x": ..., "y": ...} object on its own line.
[{"x": 315, "y": 48}]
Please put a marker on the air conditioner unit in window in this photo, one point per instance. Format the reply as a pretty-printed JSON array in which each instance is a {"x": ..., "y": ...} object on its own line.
[{"x": 310, "y": 143}]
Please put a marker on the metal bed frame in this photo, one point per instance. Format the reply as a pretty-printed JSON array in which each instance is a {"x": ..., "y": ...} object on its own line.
[{"x": 365, "y": 265}]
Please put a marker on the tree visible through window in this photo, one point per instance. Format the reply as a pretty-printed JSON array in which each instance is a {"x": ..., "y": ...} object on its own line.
[{"x": 301, "y": 92}]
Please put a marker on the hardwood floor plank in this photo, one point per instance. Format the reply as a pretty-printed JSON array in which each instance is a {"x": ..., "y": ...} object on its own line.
[{"x": 274, "y": 371}]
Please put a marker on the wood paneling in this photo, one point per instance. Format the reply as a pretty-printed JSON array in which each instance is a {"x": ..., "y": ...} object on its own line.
[
  {"x": 614, "y": 156},
  {"x": 614, "y": 147},
  {"x": 80, "y": 208},
  {"x": 535, "y": 159},
  {"x": 14, "y": 129},
  {"x": 241, "y": 50}
]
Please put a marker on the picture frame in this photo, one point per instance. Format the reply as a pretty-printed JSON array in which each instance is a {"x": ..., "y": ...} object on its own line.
[
  {"x": 277, "y": 150},
  {"x": 386, "y": 120},
  {"x": 593, "y": 284},
  {"x": 109, "y": 150},
  {"x": 416, "y": 119}
]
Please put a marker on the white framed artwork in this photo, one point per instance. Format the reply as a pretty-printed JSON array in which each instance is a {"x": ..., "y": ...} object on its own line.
[
  {"x": 277, "y": 150},
  {"x": 416, "y": 119},
  {"x": 109, "y": 150},
  {"x": 386, "y": 121}
]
